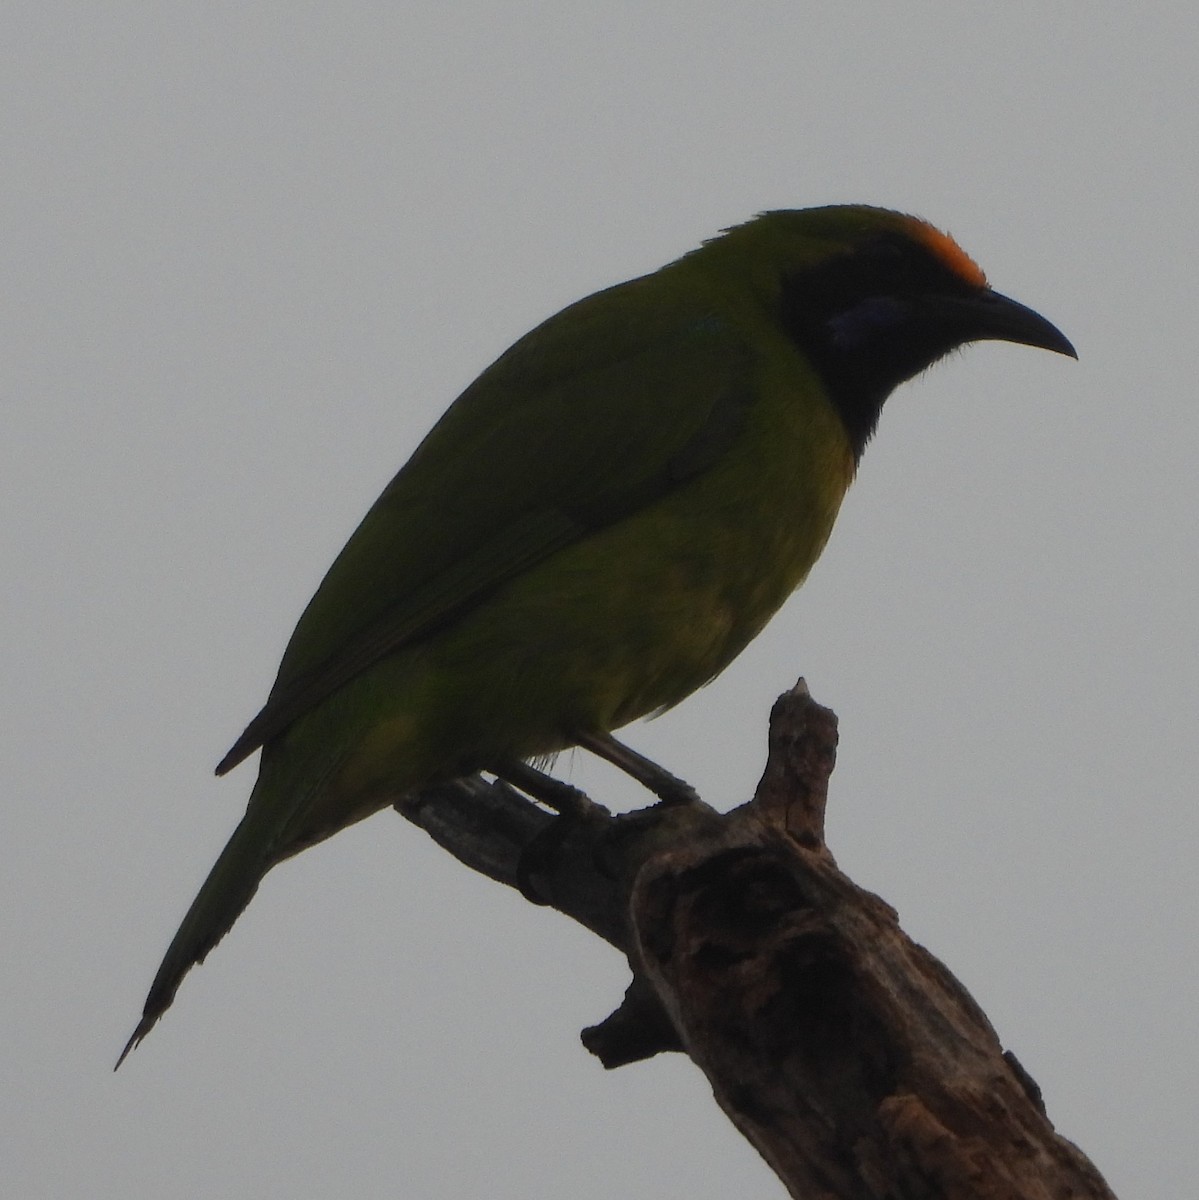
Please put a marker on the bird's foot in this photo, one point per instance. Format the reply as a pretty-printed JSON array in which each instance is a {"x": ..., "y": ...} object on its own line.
[
  {"x": 670, "y": 789},
  {"x": 564, "y": 799},
  {"x": 572, "y": 806}
]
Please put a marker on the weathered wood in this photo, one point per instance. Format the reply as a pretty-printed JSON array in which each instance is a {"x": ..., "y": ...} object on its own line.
[{"x": 847, "y": 1054}]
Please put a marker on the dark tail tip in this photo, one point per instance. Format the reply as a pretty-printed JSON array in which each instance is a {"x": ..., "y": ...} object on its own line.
[{"x": 143, "y": 1027}]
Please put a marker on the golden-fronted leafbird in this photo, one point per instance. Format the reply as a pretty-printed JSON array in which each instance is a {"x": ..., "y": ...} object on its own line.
[{"x": 597, "y": 526}]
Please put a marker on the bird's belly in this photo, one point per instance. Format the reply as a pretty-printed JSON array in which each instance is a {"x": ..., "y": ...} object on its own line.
[
  {"x": 636, "y": 617},
  {"x": 625, "y": 622}
]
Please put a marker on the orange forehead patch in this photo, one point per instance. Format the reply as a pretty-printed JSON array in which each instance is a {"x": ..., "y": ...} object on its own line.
[{"x": 950, "y": 253}]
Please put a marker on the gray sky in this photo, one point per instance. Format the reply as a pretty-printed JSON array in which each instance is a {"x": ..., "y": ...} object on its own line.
[{"x": 249, "y": 253}]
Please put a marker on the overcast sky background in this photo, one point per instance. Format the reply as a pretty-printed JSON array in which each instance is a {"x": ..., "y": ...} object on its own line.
[{"x": 249, "y": 252}]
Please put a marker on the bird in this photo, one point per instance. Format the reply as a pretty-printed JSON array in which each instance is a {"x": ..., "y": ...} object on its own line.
[{"x": 597, "y": 526}]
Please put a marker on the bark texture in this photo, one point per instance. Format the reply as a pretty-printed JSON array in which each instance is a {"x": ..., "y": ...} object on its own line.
[{"x": 848, "y": 1055}]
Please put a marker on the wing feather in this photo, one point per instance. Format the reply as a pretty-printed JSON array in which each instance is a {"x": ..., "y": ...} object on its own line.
[{"x": 593, "y": 416}]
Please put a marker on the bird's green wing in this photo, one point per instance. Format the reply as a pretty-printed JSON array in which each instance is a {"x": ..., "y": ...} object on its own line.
[{"x": 591, "y": 417}]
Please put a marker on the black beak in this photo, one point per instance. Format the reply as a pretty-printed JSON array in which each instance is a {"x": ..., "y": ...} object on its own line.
[{"x": 988, "y": 316}]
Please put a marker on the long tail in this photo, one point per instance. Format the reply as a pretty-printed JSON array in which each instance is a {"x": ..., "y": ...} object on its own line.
[{"x": 230, "y": 886}]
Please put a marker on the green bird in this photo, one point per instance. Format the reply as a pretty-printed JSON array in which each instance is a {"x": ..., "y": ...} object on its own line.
[{"x": 597, "y": 526}]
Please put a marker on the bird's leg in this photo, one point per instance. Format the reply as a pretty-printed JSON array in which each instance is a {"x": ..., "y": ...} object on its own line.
[
  {"x": 568, "y": 802},
  {"x": 667, "y": 787},
  {"x": 565, "y": 800}
]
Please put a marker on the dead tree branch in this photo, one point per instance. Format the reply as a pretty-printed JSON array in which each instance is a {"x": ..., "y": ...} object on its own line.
[{"x": 848, "y": 1055}]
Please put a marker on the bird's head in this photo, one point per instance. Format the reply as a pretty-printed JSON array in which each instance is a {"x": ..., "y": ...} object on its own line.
[{"x": 871, "y": 297}]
